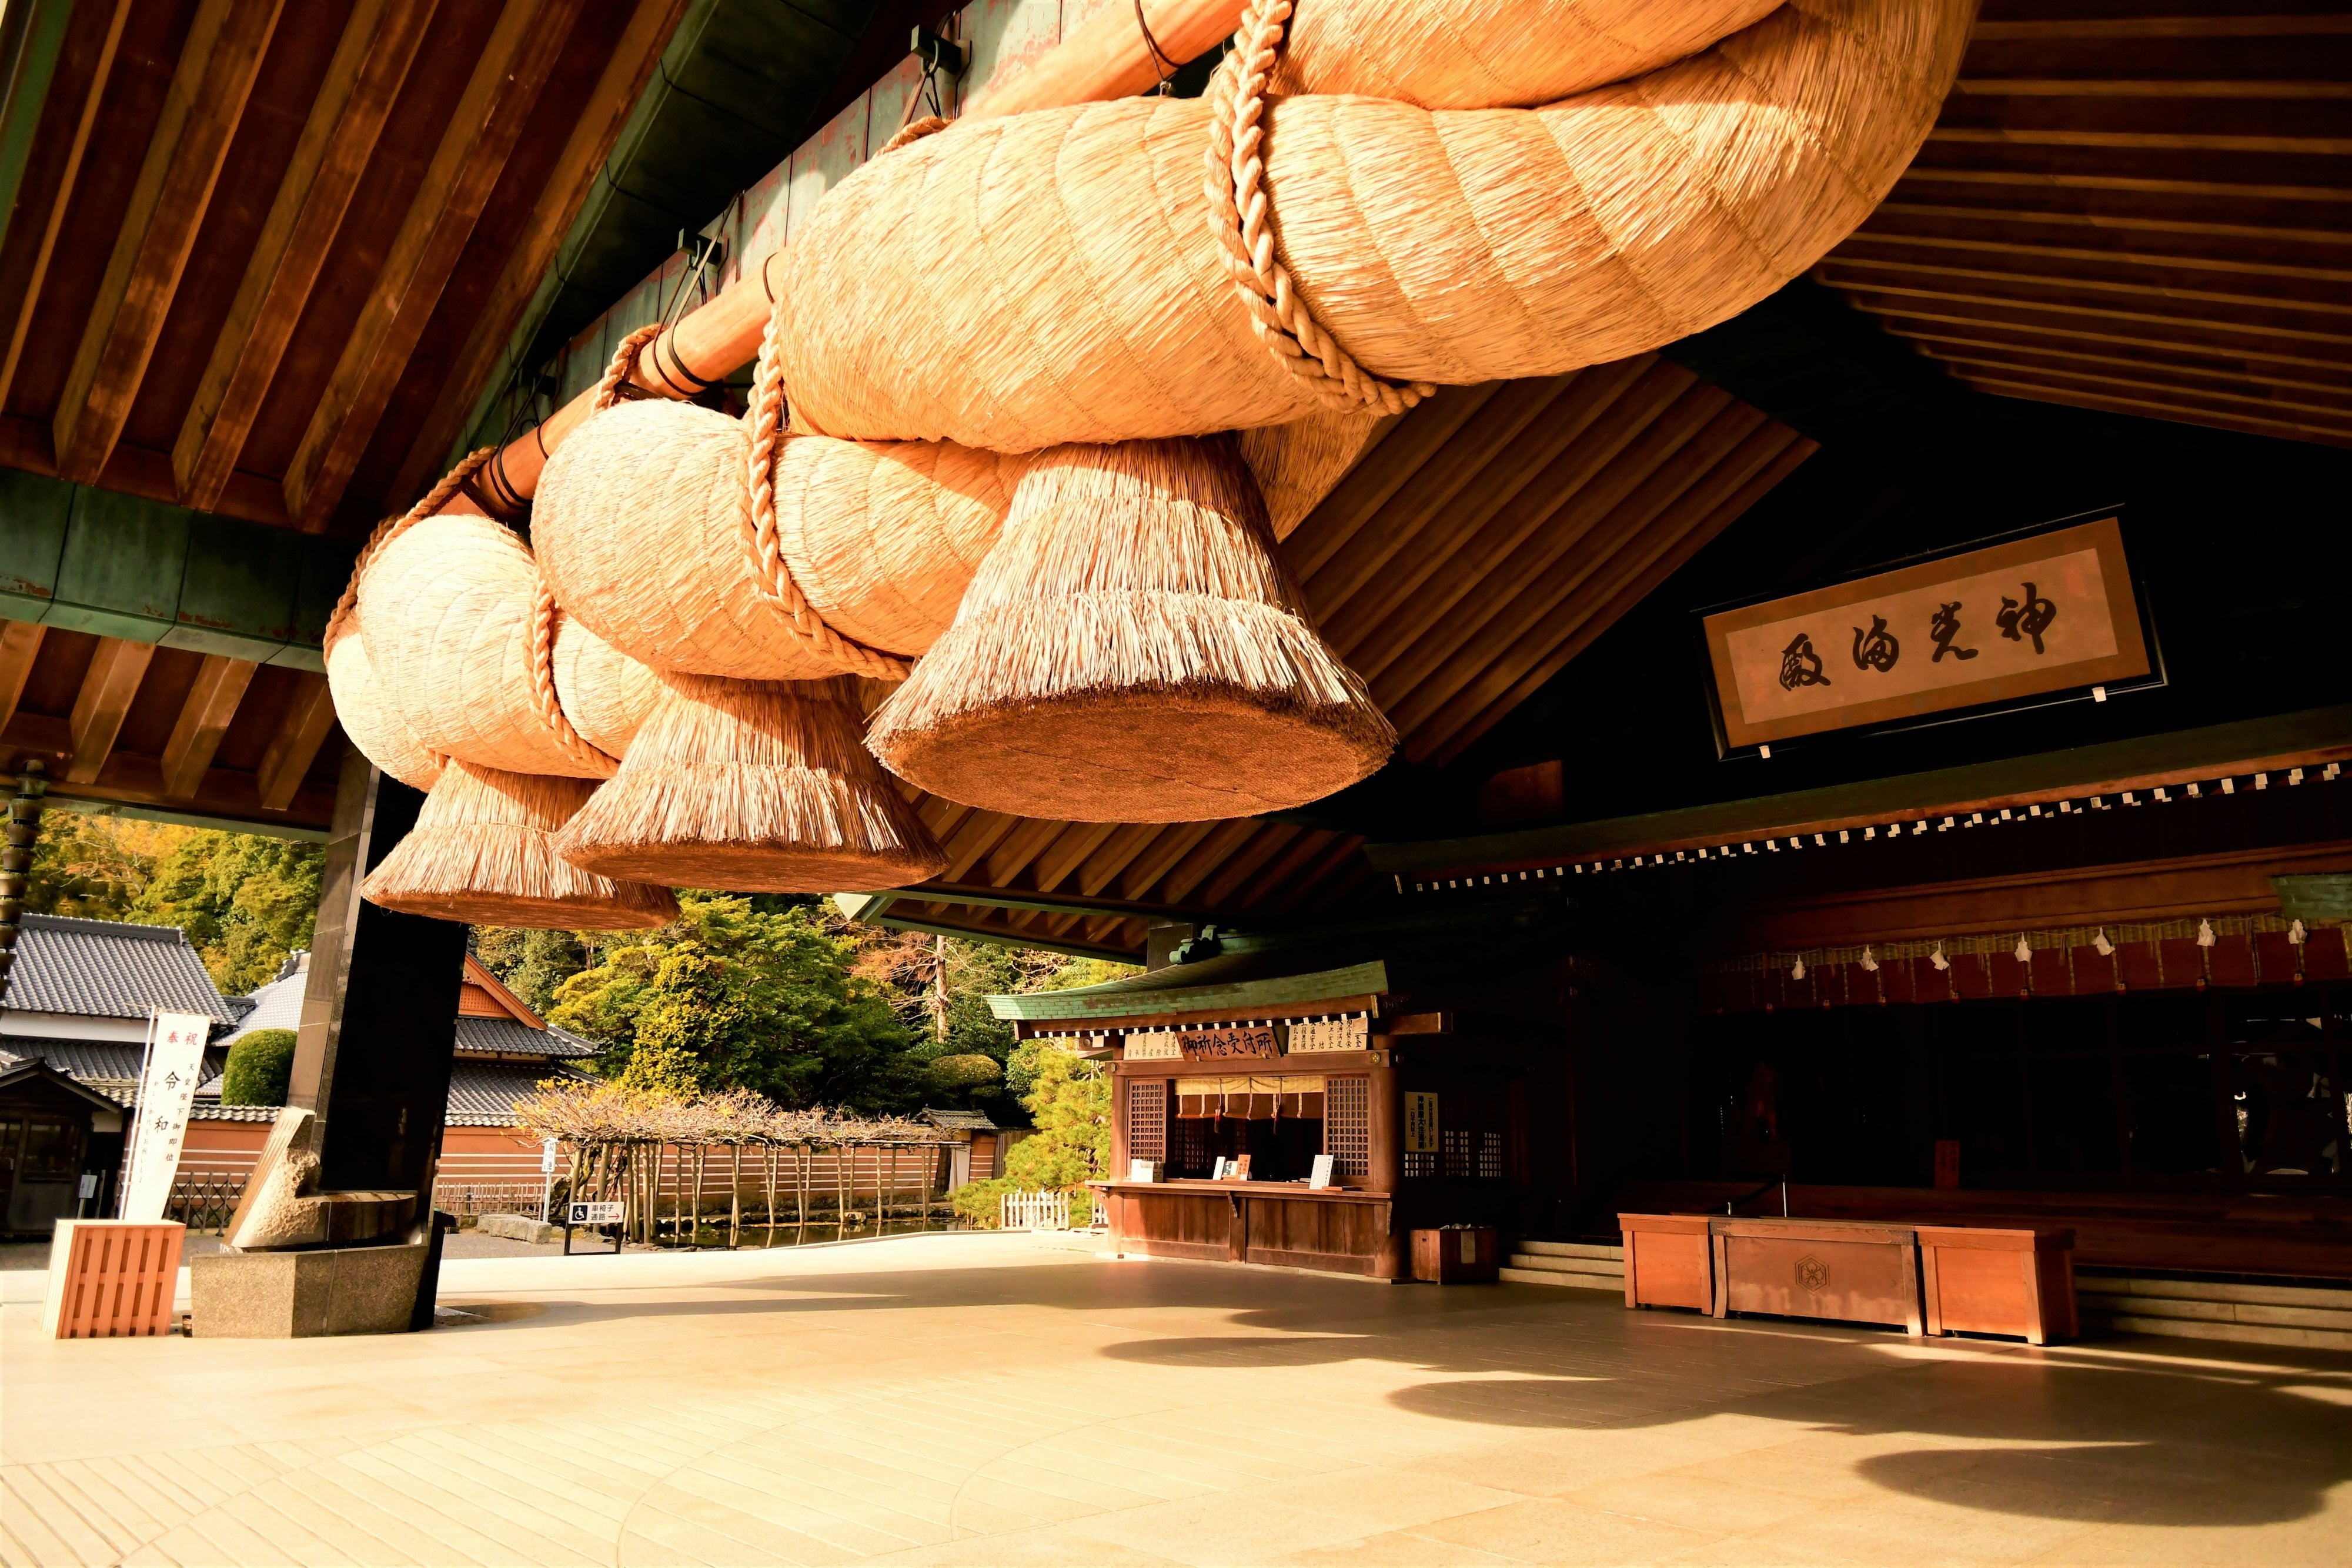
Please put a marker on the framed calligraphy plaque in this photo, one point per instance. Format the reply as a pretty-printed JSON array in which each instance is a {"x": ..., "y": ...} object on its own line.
[
  {"x": 1227, "y": 1044},
  {"x": 2013, "y": 620}
]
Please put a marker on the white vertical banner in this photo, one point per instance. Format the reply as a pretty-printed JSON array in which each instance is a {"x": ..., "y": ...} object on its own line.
[{"x": 167, "y": 1092}]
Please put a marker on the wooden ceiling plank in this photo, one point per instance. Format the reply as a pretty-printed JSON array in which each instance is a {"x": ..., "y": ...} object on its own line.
[
  {"x": 2151, "y": 408},
  {"x": 20, "y": 644},
  {"x": 1127, "y": 841},
  {"x": 1553, "y": 502},
  {"x": 1313, "y": 878},
  {"x": 981, "y": 831},
  {"x": 1922, "y": 325},
  {"x": 371, "y": 62},
  {"x": 1451, "y": 642},
  {"x": 309, "y": 715},
  {"x": 1020, "y": 847},
  {"x": 1367, "y": 486},
  {"x": 2066, "y": 263},
  {"x": 2198, "y": 304},
  {"x": 1466, "y": 732},
  {"x": 61, "y": 139},
  {"x": 2009, "y": 218},
  {"x": 1166, "y": 848},
  {"x": 1506, "y": 483},
  {"x": 2038, "y": 355},
  {"x": 1473, "y": 453},
  {"x": 2073, "y": 180},
  {"x": 1526, "y": 623},
  {"x": 2165, "y": 140},
  {"x": 1213, "y": 849},
  {"x": 1067, "y": 853},
  {"x": 2012, "y": 367},
  {"x": 204, "y": 718},
  {"x": 116, "y": 668},
  {"x": 2278, "y": 329},
  {"x": 2006, "y": 30},
  {"x": 491, "y": 114},
  {"x": 1223, "y": 880},
  {"x": 567, "y": 189},
  {"x": 1246, "y": 890},
  {"x": 214, "y": 78}
]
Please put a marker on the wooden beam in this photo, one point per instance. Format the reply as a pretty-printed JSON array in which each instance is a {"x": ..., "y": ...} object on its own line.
[
  {"x": 204, "y": 718},
  {"x": 2075, "y": 264},
  {"x": 20, "y": 644},
  {"x": 59, "y": 145},
  {"x": 2152, "y": 379},
  {"x": 1344, "y": 855},
  {"x": 370, "y": 65},
  {"x": 981, "y": 832},
  {"x": 1272, "y": 855},
  {"x": 1018, "y": 848},
  {"x": 1365, "y": 488},
  {"x": 1999, "y": 218},
  {"x": 2193, "y": 303},
  {"x": 116, "y": 668},
  {"x": 635, "y": 54},
  {"x": 1922, "y": 326},
  {"x": 1460, "y": 730},
  {"x": 309, "y": 715},
  {"x": 1068, "y": 851},
  {"x": 1127, "y": 841},
  {"x": 2281, "y": 331},
  {"x": 216, "y": 68},
  {"x": 506, "y": 77},
  {"x": 2075, "y": 179},
  {"x": 1211, "y": 850},
  {"x": 1167, "y": 847},
  {"x": 2154, "y": 408}
]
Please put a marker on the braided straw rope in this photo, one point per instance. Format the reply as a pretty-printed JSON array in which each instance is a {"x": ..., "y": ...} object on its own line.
[
  {"x": 915, "y": 131},
  {"x": 1239, "y": 214},
  {"x": 545, "y": 613},
  {"x": 771, "y": 575},
  {"x": 392, "y": 529},
  {"x": 624, "y": 362}
]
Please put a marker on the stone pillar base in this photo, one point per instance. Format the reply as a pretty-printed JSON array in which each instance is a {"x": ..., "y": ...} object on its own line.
[{"x": 305, "y": 1295}]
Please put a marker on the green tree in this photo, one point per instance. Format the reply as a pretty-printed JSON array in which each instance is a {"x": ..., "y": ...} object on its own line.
[
  {"x": 244, "y": 901},
  {"x": 760, "y": 999},
  {"x": 532, "y": 964},
  {"x": 93, "y": 866},
  {"x": 260, "y": 1064},
  {"x": 1069, "y": 1099}
]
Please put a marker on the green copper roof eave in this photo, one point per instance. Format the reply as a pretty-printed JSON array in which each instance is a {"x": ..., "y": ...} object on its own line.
[
  {"x": 2079, "y": 769},
  {"x": 1153, "y": 993}
]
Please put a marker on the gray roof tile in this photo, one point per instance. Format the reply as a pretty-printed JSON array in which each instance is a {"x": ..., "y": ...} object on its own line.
[
  {"x": 107, "y": 969},
  {"x": 514, "y": 1038},
  {"x": 482, "y": 1093}
]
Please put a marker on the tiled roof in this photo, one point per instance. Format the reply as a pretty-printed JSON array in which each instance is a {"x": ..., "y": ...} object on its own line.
[
  {"x": 513, "y": 1039},
  {"x": 278, "y": 1004},
  {"x": 105, "y": 969},
  {"x": 961, "y": 1121},
  {"x": 214, "y": 1110},
  {"x": 109, "y": 1066},
  {"x": 482, "y": 1093}
]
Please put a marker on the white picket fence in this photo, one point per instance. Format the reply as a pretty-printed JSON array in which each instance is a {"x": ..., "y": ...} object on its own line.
[{"x": 1034, "y": 1211}]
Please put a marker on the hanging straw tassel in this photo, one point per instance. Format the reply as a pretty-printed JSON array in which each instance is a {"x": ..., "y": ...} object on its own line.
[
  {"x": 481, "y": 852},
  {"x": 1132, "y": 651},
  {"x": 754, "y": 786}
]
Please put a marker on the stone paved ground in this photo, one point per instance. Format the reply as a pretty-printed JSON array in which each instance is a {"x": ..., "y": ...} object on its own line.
[{"x": 992, "y": 1399}]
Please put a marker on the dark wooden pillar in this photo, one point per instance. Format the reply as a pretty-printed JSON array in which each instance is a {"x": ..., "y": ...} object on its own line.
[
  {"x": 379, "y": 1013},
  {"x": 1385, "y": 1167}
]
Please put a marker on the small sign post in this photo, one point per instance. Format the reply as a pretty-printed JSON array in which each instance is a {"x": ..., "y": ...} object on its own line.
[
  {"x": 592, "y": 1217},
  {"x": 167, "y": 1093},
  {"x": 546, "y": 1175}
]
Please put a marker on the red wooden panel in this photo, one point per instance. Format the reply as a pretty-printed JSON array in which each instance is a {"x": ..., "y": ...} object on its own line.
[
  {"x": 2053, "y": 975},
  {"x": 1796, "y": 993},
  {"x": 2230, "y": 961},
  {"x": 2093, "y": 971},
  {"x": 1970, "y": 979},
  {"x": 1861, "y": 985},
  {"x": 2135, "y": 966},
  {"x": 1669, "y": 1261},
  {"x": 1929, "y": 983},
  {"x": 2324, "y": 955},
  {"x": 2275, "y": 959},
  {"x": 1896, "y": 982},
  {"x": 2006, "y": 976},
  {"x": 1828, "y": 985},
  {"x": 2182, "y": 961}
]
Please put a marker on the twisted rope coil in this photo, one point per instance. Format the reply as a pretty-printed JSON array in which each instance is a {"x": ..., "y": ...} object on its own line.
[
  {"x": 550, "y": 703},
  {"x": 1240, "y": 215},
  {"x": 771, "y": 575}
]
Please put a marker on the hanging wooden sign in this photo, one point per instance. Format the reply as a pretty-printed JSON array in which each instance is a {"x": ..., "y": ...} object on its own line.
[
  {"x": 1228, "y": 1044},
  {"x": 2013, "y": 620}
]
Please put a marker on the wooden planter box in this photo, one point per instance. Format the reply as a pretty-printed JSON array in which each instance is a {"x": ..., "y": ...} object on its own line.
[
  {"x": 1668, "y": 1261},
  {"x": 1849, "y": 1270},
  {"x": 1462, "y": 1256},
  {"x": 2019, "y": 1283}
]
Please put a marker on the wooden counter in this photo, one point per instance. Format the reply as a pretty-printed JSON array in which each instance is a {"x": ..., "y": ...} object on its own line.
[
  {"x": 1342, "y": 1230},
  {"x": 1852, "y": 1271}
]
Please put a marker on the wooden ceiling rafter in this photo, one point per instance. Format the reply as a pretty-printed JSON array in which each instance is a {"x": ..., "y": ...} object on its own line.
[
  {"x": 108, "y": 689},
  {"x": 295, "y": 744},
  {"x": 500, "y": 95},
  {"x": 20, "y": 645},
  {"x": 2147, "y": 214},
  {"x": 60, "y": 144},
  {"x": 379, "y": 45},
  {"x": 211, "y": 704},
  {"x": 214, "y": 75}
]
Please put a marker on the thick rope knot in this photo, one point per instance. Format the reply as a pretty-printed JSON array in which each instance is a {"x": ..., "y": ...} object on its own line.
[
  {"x": 771, "y": 574},
  {"x": 545, "y": 616},
  {"x": 915, "y": 131},
  {"x": 392, "y": 529},
  {"x": 1241, "y": 216},
  {"x": 610, "y": 390}
]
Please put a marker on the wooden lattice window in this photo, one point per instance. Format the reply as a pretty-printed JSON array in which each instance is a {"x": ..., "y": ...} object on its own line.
[
  {"x": 1347, "y": 1125},
  {"x": 1146, "y": 1119}
]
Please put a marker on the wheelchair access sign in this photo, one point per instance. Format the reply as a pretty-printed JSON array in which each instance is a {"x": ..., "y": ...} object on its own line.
[{"x": 594, "y": 1214}]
